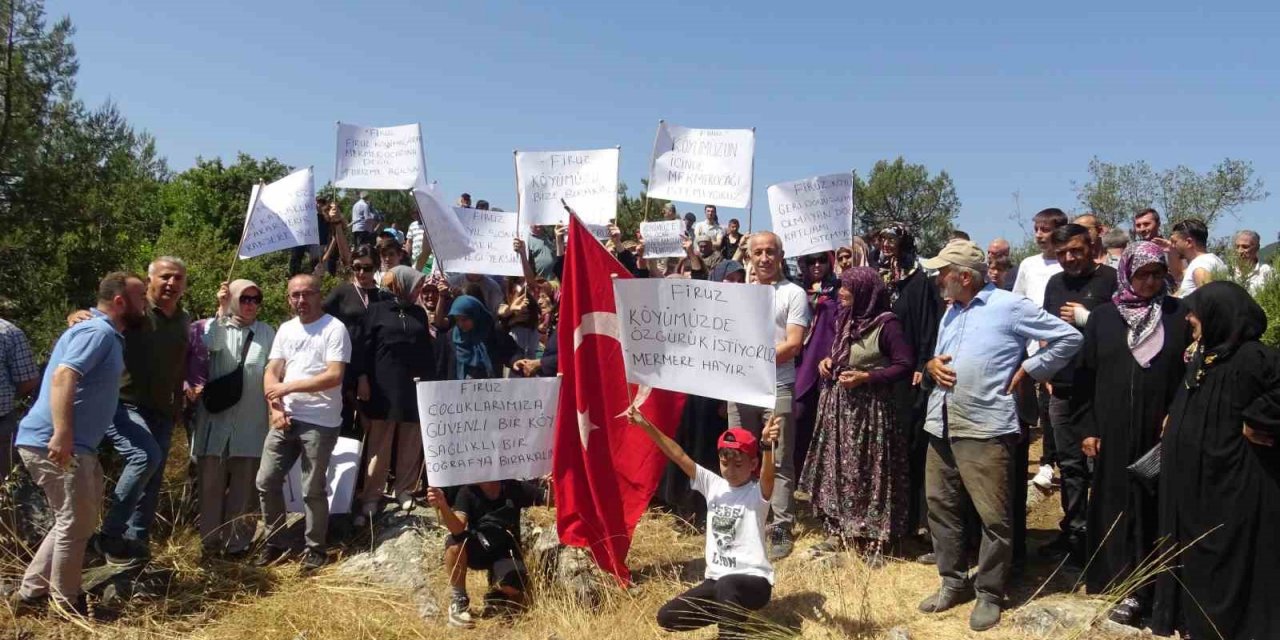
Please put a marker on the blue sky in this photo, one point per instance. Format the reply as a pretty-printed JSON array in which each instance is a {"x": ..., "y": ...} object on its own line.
[{"x": 1007, "y": 98}]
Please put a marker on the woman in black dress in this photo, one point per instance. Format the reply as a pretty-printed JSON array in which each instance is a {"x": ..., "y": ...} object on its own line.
[
  {"x": 1220, "y": 477},
  {"x": 1127, "y": 374},
  {"x": 348, "y": 302},
  {"x": 392, "y": 349}
]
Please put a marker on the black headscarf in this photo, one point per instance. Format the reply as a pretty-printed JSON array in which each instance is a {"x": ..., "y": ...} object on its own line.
[{"x": 1229, "y": 317}]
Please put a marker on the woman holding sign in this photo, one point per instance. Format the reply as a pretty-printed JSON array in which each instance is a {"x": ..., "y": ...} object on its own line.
[
  {"x": 392, "y": 348},
  {"x": 856, "y": 470}
]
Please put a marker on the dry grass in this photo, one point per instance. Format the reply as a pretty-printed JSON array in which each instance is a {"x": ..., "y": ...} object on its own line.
[{"x": 232, "y": 601}]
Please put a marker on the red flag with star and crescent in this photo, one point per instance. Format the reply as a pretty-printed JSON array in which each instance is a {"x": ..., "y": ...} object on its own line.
[{"x": 605, "y": 469}]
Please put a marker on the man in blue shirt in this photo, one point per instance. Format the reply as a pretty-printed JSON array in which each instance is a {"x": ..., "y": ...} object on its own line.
[
  {"x": 364, "y": 221},
  {"x": 58, "y": 440},
  {"x": 18, "y": 378},
  {"x": 972, "y": 423}
]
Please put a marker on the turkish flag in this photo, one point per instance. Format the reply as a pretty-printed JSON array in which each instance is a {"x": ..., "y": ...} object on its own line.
[{"x": 605, "y": 468}]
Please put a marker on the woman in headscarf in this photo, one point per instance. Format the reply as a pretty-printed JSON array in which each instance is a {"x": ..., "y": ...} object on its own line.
[
  {"x": 914, "y": 299},
  {"x": 821, "y": 283},
  {"x": 856, "y": 469},
  {"x": 1220, "y": 477},
  {"x": 348, "y": 302},
  {"x": 1126, "y": 376},
  {"x": 701, "y": 424},
  {"x": 392, "y": 349},
  {"x": 227, "y": 445},
  {"x": 473, "y": 348}
]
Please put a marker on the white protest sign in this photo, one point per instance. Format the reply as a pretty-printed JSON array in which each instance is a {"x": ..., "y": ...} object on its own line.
[
  {"x": 663, "y": 239},
  {"x": 490, "y": 234},
  {"x": 587, "y": 180},
  {"x": 710, "y": 339},
  {"x": 340, "y": 479},
  {"x": 706, "y": 166},
  {"x": 380, "y": 157},
  {"x": 487, "y": 430},
  {"x": 813, "y": 215},
  {"x": 281, "y": 215},
  {"x": 449, "y": 239}
]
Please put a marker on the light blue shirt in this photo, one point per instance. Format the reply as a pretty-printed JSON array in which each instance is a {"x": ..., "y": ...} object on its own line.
[
  {"x": 987, "y": 340},
  {"x": 95, "y": 350}
]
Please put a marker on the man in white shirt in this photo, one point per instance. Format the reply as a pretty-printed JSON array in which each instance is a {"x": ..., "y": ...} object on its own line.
[
  {"x": 709, "y": 227},
  {"x": 1189, "y": 239},
  {"x": 304, "y": 391},
  {"x": 791, "y": 318},
  {"x": 1248, "y": 270},
  {"x": 1033, "y": 276}
]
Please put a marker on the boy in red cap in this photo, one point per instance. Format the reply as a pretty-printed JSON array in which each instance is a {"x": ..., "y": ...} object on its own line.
[{"x": 739, "y": 577}]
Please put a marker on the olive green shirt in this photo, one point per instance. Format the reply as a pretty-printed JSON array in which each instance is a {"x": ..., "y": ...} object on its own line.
[{"x": 155, "y": 361}]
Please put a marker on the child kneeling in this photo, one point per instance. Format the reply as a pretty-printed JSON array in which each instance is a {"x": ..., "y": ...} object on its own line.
[
  {"x": 484, "y": 528},
  {"x": 739, "y": 577}
]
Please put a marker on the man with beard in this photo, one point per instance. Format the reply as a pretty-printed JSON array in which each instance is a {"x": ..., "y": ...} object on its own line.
[
  {"x": 972, "y": 423},
  {"x": 155, "y": 360},
  {"x": 1071, "y": 295},
  {"x": 58, "y": 440}
]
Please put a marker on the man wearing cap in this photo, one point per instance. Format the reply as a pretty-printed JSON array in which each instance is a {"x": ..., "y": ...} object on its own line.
[
  {"x": 364, "y": 220},
  {"x": 972, "y": 423}
]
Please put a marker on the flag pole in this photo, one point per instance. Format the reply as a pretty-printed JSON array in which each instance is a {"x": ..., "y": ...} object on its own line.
[
  {"x": 751, "y": 196},
  {"x": 423, "y": 221},
  {"x": 650, "y": 182},
  {"x": 253, "y": 204},
  {"x": 515, "y": 162}
]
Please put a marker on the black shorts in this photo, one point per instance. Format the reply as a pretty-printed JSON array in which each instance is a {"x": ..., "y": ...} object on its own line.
[{"x": 502, "y": 558}]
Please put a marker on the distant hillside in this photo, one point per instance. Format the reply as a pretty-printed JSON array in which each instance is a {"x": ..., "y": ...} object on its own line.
[{"x": 1268, "y": 253}]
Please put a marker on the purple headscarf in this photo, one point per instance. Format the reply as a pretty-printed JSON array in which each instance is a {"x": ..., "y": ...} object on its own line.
[
  {"x": 1141, "y": 315},
  {"x": 869, "y": 309}
]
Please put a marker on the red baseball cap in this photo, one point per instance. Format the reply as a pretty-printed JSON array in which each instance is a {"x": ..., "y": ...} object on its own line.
[{"x": 739, "y": 439}]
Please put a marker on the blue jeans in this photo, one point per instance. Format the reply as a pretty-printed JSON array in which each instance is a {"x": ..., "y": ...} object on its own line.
[{"x": 141, "y": 437}]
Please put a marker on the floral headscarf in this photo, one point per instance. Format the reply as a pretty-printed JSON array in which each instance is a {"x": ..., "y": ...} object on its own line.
[
  {"x": 1141, "y": 315},
  {"x": 869, "y": 309}
]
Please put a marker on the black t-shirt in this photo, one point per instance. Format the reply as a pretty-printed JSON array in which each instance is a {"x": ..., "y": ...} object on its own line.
[
  {"x": 502, "y": 513},
  {"x": 1089, "y": 291}
]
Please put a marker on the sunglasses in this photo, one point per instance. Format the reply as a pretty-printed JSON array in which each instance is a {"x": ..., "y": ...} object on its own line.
[
  {"x": 251, "y": 300},
  {"x": 361, "y": 267}
]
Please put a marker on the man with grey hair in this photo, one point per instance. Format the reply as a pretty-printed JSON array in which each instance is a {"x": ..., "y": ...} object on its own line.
[
  {"x": 972, "y": 424},
  {"x": 1248, "y": 270},
  {"x": 790, "y": 320},
  {"x": 155, "y": 360},
  {"x": 1114, "y": 242}
]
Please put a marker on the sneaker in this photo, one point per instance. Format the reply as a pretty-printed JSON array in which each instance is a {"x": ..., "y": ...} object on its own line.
[
  {"x": 269, "y": 555},
  {"x": 985, "y": 614},
  {"x": 24, "y": 606},
  {"x": 120, "y": 551},
  {"x": 460, "y": 613},
  {"x": 927, "y": 558},
  {"x": 314, "y": 559},
  {"x": 1043, "y": 479},
  {"x": 943, "y": 599},
  {"x": 780, "y": 543},
  {"x": 1126, "y": 612},
  {"x": 405, "y": 500}
]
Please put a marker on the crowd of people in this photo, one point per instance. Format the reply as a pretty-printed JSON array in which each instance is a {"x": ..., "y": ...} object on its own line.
[{"x": 909, "y": 389}]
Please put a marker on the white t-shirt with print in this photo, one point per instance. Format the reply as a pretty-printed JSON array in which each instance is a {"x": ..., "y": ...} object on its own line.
[
  {"x": 735, "y": 527},
  {"x": 790, "y": 306},
  {"x": 1206, "y": 261},
  {"x": 307, "y": 350}
]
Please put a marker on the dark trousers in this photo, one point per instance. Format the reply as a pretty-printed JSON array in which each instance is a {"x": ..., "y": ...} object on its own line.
[
  {"x": 1018, "y": 495},
  {"x": 725, "y": 601},
  {"x": 963, "y": 471},
  {"x": 1074, "y": 468},
  {"x": 1048, "y": 444}
]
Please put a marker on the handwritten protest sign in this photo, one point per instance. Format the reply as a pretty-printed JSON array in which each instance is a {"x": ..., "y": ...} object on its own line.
[
  {"x": 813, "y": 215},
  {"x": 380, "y": 157},
  {"x": 587, "y": 180},
  {"x": 484, "y": 430},
  {"x": 469, "y": 240},
  {"x": 281, "y": 215},
  {"x": 340, "y": 479},
  {"x": 706, "y": 166},
  {"x": 706, "y": 338},
  {"x": 663, "y": 239}
]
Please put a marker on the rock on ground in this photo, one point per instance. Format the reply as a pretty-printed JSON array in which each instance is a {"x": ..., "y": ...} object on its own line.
[
  {"x": 568, "y": 569},
  {"x": 1051, "y": 617},
  {"x": 404, "y": 544}
]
